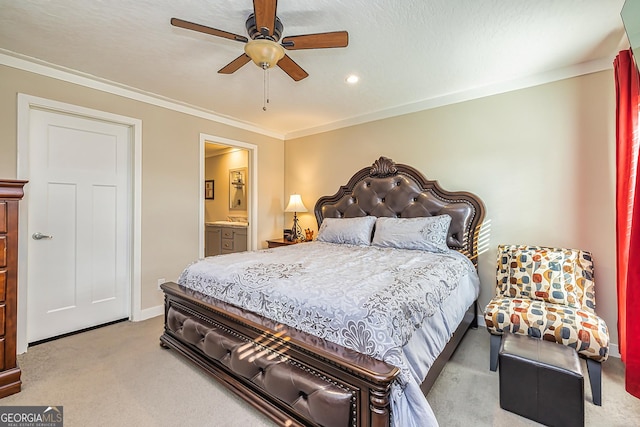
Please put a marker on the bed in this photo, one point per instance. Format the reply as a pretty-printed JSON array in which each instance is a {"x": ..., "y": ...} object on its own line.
[{"x": 313, "y": 333}]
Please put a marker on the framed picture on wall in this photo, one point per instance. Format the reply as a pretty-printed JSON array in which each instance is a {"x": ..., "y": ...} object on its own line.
[{"x": 208, "y": 189}]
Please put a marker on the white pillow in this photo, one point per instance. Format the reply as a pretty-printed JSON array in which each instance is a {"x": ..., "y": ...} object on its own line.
[
  {"x": 424, "y": 233},
  {"x": 354, "y": 231}
]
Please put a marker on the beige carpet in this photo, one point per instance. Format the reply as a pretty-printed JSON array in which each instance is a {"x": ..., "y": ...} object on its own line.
[
  {"x": 119, "y": 376},
  {"x": 467, "y": 392}
]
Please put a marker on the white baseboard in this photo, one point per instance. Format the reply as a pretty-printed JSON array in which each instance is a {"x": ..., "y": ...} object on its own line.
[
  {"x": 614, "y": 350},
  {"x": 481, "y": 320},
  {"x": 148, "y": 313}
]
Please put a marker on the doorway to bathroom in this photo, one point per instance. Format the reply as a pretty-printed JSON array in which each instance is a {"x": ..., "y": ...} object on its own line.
[{"x": 228, "y": 189}]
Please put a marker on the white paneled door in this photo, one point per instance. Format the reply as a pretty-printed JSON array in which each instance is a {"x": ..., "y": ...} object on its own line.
[{"x": 78, "y": 270}]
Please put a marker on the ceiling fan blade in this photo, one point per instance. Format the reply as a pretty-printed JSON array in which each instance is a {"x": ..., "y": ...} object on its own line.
[
  {"x": 265, "y": 13},
  {"x": 207, "y": 30},
  {"x": 317, "y": 41},
  {"x": 292, "y": 69},
  {"x": 234, "y": 65}
]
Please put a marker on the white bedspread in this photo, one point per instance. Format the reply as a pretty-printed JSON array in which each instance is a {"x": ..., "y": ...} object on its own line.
[{"x": 400, "y": 306}]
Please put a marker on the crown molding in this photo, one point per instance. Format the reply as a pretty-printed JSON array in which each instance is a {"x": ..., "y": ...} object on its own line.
[
  {"x": 465, "y": 95},
  {"x": 36, "y": 66},
  {"x": 14, "y": 60}
]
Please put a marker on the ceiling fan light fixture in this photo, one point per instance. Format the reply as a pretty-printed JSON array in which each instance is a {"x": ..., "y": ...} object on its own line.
[{"x": 264, "y": 53}]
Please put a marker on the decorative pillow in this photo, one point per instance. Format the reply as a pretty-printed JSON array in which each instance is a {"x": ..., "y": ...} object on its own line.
[
  {"x": 554, "y": 275},
  {"x": 353, "y": 231},
  {"x": 424, "y": 233}
]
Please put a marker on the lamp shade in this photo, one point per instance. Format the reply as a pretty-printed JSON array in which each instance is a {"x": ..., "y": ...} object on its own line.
[
  {"x": 295, "y": 204},
  {"x": 264, "y": 53}
]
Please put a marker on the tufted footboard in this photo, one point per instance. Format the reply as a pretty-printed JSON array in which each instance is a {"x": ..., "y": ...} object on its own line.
[{"x": 293, "y": 377}]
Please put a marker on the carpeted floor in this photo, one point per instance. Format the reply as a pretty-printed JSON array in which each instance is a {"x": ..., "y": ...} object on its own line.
[
  {"x": 119, "y": 376},
  {"x": 467, "y": 392}
]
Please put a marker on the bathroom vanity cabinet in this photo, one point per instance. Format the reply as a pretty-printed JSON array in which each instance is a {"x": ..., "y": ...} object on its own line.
[{"x": 224, "y": 239}]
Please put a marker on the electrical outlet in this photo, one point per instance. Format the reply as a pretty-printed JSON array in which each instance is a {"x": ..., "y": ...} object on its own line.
[{"x": 160, "y": 282}]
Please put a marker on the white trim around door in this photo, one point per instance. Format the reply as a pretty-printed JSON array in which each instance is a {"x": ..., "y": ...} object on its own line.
[{"x": 25, "y": 104}]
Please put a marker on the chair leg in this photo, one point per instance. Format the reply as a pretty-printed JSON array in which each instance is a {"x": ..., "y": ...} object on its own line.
[
  {"x": 595, "y": 379},
  {"x": 495, "y": 348}
]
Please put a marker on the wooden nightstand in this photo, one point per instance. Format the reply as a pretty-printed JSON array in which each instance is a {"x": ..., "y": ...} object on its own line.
[{"x": 274, "y": 243}]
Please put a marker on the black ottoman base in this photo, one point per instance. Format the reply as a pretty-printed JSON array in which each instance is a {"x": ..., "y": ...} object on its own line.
[{"x": 541, "y": 380}]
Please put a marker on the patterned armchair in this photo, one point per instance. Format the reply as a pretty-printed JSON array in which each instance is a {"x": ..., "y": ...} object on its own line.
[{"x": 549, "y": 293}]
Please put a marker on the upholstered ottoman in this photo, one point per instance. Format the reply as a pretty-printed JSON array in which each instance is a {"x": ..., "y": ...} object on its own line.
[{"x": 541, "y": 380}]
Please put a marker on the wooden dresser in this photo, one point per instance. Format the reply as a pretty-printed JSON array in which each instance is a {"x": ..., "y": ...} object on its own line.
[{"x": 10, "y": 194}]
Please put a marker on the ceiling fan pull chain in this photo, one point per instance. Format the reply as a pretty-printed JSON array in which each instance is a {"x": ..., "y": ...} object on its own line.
[
  {"x": 268, "y": 81},
  {"x": 265, "y": 98}
]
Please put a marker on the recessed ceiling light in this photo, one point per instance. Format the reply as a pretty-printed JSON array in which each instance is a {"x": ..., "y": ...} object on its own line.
[{"x": 352, "y": 79}]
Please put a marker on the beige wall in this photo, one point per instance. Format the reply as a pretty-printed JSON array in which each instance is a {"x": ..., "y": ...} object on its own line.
[
  {"x": 170, "y": 172},
  {"x": 542, "y": 159},
  {"x": 217, "y": 168}
]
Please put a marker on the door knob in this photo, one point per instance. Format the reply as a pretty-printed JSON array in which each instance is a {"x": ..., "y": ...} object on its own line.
[{"x": 40, "y": 236}]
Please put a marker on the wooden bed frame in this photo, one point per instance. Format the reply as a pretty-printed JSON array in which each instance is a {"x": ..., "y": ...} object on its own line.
[{"x": 296, "y": 378}]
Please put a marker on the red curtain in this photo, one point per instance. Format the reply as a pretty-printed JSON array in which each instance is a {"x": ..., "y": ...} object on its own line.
[{"x": 627, "y": 81}]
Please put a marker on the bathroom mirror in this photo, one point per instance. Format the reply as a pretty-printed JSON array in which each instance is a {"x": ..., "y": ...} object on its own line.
[
  {"x": 631, "y": 18},
  {"x": 238, "y": 189}
]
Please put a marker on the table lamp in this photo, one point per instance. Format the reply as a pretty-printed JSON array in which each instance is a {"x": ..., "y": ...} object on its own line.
[{"x": 295, "y": 205}]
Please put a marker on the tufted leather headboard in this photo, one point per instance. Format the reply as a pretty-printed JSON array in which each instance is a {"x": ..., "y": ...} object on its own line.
[{"x": 387, "y": 189}]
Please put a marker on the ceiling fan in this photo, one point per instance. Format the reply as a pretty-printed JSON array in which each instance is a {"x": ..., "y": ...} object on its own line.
[{"x": 264, "y": 29}]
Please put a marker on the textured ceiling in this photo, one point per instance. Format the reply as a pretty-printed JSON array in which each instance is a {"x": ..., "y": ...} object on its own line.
[{"x": 406, "y": 52}]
